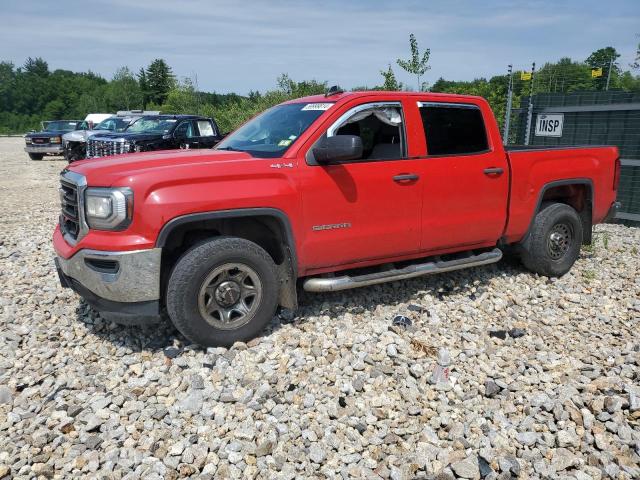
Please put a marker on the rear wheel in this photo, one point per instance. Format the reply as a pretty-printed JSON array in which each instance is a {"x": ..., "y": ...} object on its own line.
[
  {"x": 554, "y": 241},
  {"x": 223, "y": 291},
  {"x": 36, "y": 156}
]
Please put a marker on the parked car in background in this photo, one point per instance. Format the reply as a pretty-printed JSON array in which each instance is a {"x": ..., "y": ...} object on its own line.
[
  {"x": 156, "y": 132},
  {"x": 49, "y": 140},
  {"x": 327, "y": 192},
  {"x": 75, "y": 143}
]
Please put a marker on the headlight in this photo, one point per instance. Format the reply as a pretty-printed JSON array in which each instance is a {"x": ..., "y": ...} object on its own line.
[
  {"x": 55, "y": 140},
  {"x": 108, "y": 208},
  {"x": 27, "y": 140}
]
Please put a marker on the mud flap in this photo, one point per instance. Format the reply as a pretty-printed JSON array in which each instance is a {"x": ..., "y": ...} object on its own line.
[{"x": 288, "y": 293}]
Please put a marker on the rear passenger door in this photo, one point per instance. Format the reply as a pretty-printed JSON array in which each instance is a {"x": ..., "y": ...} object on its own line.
[
  {"x": 207, "y": 133},
  {"x": 466, "y": 179}
]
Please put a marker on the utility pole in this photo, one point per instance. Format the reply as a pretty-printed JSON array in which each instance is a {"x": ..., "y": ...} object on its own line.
[
  {"x": 507, "y": 116},
  {"x": 609, "y": 73},
  {"x": 530, "y": 110}
]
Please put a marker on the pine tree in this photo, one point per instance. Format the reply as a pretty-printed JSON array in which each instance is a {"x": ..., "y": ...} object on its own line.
[
  {"x": 144, "y": 88},
  {"x": 159, "y": 81},
  {"x": 36, "y": 66}
]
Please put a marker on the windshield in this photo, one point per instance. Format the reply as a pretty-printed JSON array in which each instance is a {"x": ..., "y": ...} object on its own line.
[
  {"x": 272, "y": 132},
  {"x": 60, "y": 126},
  {"x": 113, "y": 124},
  {"x": 152, "y": 125}
]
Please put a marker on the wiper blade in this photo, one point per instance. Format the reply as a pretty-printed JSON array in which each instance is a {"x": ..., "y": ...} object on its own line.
[{"x": 230, "y": 149}]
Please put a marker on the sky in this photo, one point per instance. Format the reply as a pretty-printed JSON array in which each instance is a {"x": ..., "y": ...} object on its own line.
[{"x": 243, "y": 45}]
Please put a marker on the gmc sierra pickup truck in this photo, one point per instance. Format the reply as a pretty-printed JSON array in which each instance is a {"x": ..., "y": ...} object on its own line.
[{"x": 328, "y": 192}]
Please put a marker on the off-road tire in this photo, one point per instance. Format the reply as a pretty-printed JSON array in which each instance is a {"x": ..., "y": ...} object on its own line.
[
  {"x": 541, "y": 253},
  {"x": 36, "y": 156},
  {"x": 191, "y": 272}
]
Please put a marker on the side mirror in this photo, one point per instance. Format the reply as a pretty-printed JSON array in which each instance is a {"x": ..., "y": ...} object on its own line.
[{"x": 339, "y": 148}]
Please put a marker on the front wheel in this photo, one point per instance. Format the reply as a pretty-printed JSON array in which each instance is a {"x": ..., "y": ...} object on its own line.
[
  {"x": 36, "y": 156},
  {"x": 223, "y": 291},
  {"x": 554, "y": 241}
]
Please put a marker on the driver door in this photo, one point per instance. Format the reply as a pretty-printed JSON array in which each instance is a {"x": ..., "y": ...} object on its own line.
[{"x": 364, "y": 209}]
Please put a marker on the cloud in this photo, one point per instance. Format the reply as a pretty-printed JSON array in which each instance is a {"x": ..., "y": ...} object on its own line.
[{"x": 239, "y": 46}]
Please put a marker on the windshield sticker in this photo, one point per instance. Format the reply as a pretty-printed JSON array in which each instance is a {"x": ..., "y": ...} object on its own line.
[
  {"x": 292, "y": 137},
  {"x": 171, "y": 120},
  {"x": 317, "y": 106},
  {"x": 284, "y": 143}
]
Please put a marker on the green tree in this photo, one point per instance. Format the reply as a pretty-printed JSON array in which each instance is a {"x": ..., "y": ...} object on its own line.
[
  {"x": 390, "y": 81},
  {"x": 36, "y": 66},
  {"x": 159, "y": 81},
  {"x": 7, "y": 85},
  {"x": 636, "y": 63},
  {"x": 605, "y": 58},
  {"x": 416, "y": 65},
  {"x": 124, "y": 91},
  {"x": 183, "y": 98},
  {"x": 144, "y": 87},
  {"x": 565, "y": 76},
  {"x": 300, "y": 89}
]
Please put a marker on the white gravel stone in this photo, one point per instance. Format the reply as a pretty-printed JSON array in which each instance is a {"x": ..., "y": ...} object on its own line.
[{"x": 330, "y": 392}]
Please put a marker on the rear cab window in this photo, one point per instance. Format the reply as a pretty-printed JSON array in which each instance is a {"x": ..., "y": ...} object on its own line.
[{"x": 453, "y": 128}]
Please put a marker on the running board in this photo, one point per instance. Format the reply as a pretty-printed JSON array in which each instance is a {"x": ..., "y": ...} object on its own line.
[{"x": 334, "y": 284}]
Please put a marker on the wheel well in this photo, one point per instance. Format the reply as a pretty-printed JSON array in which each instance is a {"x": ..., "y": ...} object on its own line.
[
  {"x": 576, "y": 195},
  {"x": 264, "y": 230}
]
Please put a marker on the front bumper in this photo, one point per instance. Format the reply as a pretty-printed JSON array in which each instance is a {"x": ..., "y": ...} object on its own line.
[
  {"x": 54, "y": 149},
  {"x": 117, "y": 282}
]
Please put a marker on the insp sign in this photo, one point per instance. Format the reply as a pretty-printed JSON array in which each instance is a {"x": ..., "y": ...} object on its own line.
[{"x": 549, "y": 124}]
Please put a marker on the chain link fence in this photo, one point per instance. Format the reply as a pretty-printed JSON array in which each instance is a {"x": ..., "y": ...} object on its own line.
[{"x": 563, "y": 111}]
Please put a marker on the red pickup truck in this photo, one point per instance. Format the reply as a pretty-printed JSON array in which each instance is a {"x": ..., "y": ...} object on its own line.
[{"x": 328, "y": 192}]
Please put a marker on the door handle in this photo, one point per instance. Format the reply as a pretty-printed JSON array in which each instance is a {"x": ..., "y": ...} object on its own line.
[
  {"x": 493, "y": 171},
  {"x": 406, "y": 177}
]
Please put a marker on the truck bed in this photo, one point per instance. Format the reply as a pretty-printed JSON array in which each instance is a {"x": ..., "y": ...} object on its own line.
[{"x": 536, "y": 169}]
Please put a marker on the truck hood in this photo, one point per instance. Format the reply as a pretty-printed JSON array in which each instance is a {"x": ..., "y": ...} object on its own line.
[
  {"x": 82, "y": 135},
  {"x": 46, "y": 133},
  {"x": 125, "y": 170},
  {"x": 131, "y": 137}
]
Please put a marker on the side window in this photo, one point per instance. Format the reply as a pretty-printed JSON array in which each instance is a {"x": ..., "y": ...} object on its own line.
[
  {"x": 381, "y": 128},
  {"x": 453, "y": 129},
  {"x": 205, "y": 128},
  {"x": 184, "y": 130}
]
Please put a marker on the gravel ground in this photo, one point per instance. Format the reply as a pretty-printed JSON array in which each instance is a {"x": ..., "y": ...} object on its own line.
[{"x": 543, "y": 381}]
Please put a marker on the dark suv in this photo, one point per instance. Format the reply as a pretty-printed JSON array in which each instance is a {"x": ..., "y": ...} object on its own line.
[{"x": 156, "y": 132}]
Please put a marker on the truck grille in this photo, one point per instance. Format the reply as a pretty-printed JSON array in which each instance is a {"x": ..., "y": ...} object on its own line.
[
  {"x": 70, "y": 215},
  {"x": 104, "y": 148},
  {"x": 40, "y": 140}
]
